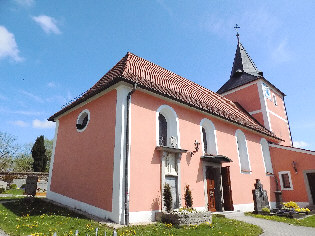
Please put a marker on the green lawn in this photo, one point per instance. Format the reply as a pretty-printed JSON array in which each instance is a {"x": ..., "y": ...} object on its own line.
[
  {"x": 34, "y": 216},
  {"x": 307, "y": 221},
  {"x": 14, "y": 191}
]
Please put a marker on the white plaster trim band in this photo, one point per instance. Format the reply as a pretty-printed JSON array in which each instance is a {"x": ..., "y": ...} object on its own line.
[
  {"x": 302, "y": 204},
  {"x": 244, "y": 207},
  {"x": 263, "y": 104},
  {"x": 53, "y": 156},
  {"x": 240, "y": 88},
  {"x": 283, "y": 119},
  {"x": 70, "y": 202},
  {"x": 255, "y": 112},
  {"x": 119, "y": 154},
  {"x": 294, "y": 149},
  {"x": 142, "y": 216}
]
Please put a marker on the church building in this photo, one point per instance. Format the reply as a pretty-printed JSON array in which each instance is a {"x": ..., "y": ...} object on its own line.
[{"x": 142, "y": 126}]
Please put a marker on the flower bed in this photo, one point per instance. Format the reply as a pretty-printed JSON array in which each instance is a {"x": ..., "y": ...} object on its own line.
[{"x": 184, "y": 217}]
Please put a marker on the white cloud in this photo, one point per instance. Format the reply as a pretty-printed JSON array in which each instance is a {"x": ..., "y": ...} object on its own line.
[
  {"x": 300, "y": 144},
  {"x": 26, "y": 3},
  {"x": 51, "y": 85},
  {"x": 32, "y": 96},
  {"x": 21, "y": 112},
  {"x": 45, "y": 124},
  {"x": 19, "y": 123},
  {"x": 47, "y": 23},
  {"x": 8, "y": 46},
  {"x": 281, "y": 52}
]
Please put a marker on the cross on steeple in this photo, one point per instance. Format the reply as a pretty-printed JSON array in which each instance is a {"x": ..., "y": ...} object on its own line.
[{"x": 236, "y": 27}]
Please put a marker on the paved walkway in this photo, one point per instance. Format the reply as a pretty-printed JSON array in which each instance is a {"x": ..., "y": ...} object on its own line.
[{"x": 272, "y": 228}]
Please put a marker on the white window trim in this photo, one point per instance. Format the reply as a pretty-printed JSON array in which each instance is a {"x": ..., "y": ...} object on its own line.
[
  {"x": 239, "y": 134},
  {"x": 280, "y": 173},
  {"x": 266, "y": 156},
  {"x": 79, "y": 116},
  {"x": 170, "y": 115},
  {"x": 211, "y": 136}
]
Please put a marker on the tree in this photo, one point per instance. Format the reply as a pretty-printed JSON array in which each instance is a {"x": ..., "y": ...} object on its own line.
[
  {"x": 8, "y": 150},
  {"x": 49, "y": 147},
  {"x": 23, "y": 161},
  {"x": 188, "y": 197},
  {"x": 167, "y": 197},
  {"x": 39, "y": 155}
]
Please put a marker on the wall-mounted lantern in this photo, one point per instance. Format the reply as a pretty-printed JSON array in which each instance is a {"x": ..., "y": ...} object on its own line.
[{"x": 294, "y": 164}]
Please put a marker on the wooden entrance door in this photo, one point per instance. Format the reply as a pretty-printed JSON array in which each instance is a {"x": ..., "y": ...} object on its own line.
[
  {"x": 311, "y": 182},
  {"x": 210, "y": 189},
  {"x": 227, "y": 191}
]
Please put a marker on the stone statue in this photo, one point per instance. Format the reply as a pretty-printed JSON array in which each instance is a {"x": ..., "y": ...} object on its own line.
[{"x": 260, "y": 197}]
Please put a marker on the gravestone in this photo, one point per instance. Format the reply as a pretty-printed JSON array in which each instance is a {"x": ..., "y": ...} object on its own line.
[
  {"x": 42, "y": 186},
  {"x": 3, "y": 184},
  {"x": 260, "y": 197},
  {"x": 31, "y": 185}
]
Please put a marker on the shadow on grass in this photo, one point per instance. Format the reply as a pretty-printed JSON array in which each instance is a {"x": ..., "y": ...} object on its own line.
[{"x": 36, "y": 206}]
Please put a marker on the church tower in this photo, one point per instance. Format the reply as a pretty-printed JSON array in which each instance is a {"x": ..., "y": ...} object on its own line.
[{"x": 260, "y": 98}]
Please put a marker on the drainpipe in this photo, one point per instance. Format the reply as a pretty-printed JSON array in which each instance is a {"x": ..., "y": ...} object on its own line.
[{"x": 127, "y": 154}]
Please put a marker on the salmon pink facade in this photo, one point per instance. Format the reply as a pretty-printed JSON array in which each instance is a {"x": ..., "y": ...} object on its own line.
[{"x": 141, "y": 127}]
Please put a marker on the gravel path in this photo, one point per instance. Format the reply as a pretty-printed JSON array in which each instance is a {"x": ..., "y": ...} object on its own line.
[{"x": 272, "y": 228}]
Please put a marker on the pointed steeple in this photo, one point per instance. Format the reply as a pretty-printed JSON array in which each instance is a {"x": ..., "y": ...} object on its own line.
[
  {"x": 243, "y": 71},
  {"x": 243, "y": 62}
]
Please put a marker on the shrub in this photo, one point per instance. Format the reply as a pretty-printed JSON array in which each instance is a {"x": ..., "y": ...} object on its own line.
[
  {"x": 167, "y": 197},
  {"x": 2, "y": 190},
  {"x": 13, "y": 186},
  {"x": 265, "y": 210},
  {"x": 188, "y": 197}
]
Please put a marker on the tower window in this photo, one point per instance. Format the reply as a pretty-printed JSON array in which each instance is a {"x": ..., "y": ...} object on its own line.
[{"x": 274, "y": 99}]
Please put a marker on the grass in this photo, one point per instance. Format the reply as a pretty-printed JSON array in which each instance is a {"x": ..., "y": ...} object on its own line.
[
  {"x": 14, "y": 191},
  {"x": 308, "y": 221},
  {"x": 34, "y": 216}
]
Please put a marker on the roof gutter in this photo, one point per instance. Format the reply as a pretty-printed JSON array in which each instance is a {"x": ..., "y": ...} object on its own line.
[{"x": 127, "y": 156}]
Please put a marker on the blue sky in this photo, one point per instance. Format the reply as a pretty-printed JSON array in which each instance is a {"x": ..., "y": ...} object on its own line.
[{"x": 52, "y": 51}]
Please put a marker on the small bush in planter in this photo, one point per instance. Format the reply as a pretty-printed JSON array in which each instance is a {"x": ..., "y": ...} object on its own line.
[
  {"x": 188, "y": 197},
  {"x": 167, "y": 197},
  {"x": 13, "y": 186},
  {"x": 265, "y": 210}
]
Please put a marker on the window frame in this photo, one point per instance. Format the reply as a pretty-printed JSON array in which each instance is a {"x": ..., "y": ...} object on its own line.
[
  {"x": 281, "y": 180},
  {"x": 80, "y": 117},
  {"x": 210, "y": 136},
  {"x": 242, "y": 152}
]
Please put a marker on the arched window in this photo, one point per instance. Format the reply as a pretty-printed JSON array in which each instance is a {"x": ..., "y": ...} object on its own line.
[
  {"x": 242, "y": 151},
  {"x": 162, "y": 130},
  {"x": 167, "y": 127},
  {"x": 208, "y": 137},
  {"x": 266, "y": 156}
]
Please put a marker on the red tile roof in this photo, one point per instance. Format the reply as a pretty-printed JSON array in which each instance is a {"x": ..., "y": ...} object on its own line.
[{"x": 147, "y": 75}]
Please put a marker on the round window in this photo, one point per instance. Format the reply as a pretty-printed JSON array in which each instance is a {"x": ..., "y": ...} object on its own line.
[{"x": 83, "y": 120}]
